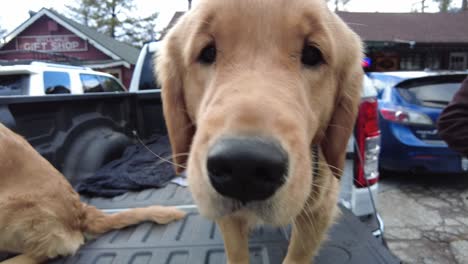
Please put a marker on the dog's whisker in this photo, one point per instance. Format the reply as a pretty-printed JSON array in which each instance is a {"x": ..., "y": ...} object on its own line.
[
  {"x": 310, "y": 218},
  {"x": 177, "y": 155},
  {"x": 294, "y": 222},
  {"x": 155, "y": 154},
  {"x": 321, "y": 187},
  {"x": 329, "y": 165},
  {"x": 327, "y": 170}
]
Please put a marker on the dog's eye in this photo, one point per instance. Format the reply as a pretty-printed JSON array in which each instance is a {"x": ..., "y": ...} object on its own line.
[
  {"x": 311, "y": 56},
  {"x": 208, "y": 54}
]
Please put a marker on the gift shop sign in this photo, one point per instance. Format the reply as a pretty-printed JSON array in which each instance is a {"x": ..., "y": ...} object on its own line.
[{"x": 61, "y": 43}]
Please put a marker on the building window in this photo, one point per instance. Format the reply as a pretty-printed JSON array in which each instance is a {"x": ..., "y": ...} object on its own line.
[
  {"x": 432, "y": 61},
  {"x": 410, "y": 62},
  {"x": 56, "y": 82},
  {"x": 458, "y": 61}
]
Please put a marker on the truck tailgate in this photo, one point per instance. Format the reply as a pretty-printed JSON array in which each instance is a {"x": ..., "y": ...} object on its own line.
[{"x": 197, "y": 240}]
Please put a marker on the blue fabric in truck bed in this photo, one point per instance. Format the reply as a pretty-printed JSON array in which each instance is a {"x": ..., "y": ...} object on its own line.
[{"x": 138, "y": 168}]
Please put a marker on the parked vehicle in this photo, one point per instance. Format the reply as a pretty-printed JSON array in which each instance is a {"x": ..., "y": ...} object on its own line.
[
  {"x": 143, "y": 77},
  {"x": 39, "y": 78},
  {"x": 409, "y": 106}
]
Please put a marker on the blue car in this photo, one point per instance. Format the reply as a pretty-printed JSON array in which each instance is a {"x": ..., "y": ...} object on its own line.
[{"x": 409, "y": 105}]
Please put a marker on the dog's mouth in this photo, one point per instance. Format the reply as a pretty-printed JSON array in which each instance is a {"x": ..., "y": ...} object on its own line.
[{"x": 262, "y": 210}]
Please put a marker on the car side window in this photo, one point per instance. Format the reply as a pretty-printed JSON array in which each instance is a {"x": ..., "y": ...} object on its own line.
[
  {"x": 110, "y": 85},
  {"x": 91, "y": 83},
  {"x": 98, "y": 84},
  {"x": 56, "y": 82},
  {"x": 14, "y": 84}
]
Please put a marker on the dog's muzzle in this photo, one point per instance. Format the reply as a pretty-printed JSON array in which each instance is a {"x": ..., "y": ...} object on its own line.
[{"x": 247, "y": 168}]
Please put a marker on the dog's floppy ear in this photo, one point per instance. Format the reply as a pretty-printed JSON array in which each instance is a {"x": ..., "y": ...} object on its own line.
[
  {"x": 344, "y": 115},
  {"x": 169, "y": 72}
]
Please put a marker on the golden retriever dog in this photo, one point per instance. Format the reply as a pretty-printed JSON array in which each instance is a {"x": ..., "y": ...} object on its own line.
[
  {"x": 41, "y": 216},
  {"x": 249, "y": 89}
]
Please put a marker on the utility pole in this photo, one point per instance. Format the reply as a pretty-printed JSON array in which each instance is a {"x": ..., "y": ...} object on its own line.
[
  {"x": 464, "y": 5},
  {"x": 189, "y": 4},
  {"x": 417, "y": 9},
  {"x": 423, "y": 5}
]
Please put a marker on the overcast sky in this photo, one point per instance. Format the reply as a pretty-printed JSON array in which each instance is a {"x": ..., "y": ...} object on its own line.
[{"x": 13, "y": 14}]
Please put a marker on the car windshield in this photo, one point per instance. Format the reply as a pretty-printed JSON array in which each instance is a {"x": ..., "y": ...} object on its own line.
[
  {"x": 434, "y": 92},
  {"x": 13, "y": 84}
]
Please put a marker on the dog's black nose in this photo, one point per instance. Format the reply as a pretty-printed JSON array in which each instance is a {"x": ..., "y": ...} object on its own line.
[{"x": 247, "y": 168}]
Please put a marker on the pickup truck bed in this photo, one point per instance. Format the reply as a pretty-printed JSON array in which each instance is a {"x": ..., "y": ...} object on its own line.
[
  {"x": 197, "y": 240},
  {"x": 59, "y": 127}
]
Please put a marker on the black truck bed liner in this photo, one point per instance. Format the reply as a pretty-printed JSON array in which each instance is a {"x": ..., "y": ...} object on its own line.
[
  {"x": 53, "y": 125},
  {"x": 197, "y": 240}
]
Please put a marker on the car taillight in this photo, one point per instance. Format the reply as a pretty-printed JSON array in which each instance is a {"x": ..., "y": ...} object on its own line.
[
  {"x": 405, "y": 116},
  {"x": 367, "y": 144}
]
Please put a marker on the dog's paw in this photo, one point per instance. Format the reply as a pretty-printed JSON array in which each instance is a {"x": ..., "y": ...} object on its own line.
[
  {"x": 177, "y": 213},
  {"x": 305, "y": 261},
  {"x": 165, "y": 214}
]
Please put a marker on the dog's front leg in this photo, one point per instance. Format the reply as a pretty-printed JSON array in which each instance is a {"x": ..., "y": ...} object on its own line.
[
  {"x": 235, "y": 233},
  {"x": 308, "y": 231}
]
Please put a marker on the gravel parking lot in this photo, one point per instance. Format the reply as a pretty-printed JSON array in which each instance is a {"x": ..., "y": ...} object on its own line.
[{"x": 426, "y": 217}]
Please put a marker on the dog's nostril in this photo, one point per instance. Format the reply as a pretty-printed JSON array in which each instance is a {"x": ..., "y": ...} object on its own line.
[
  {"x": 263, "y": 174},
  {"x": 219, "y": 168},
  {"x": 247, "y": 168}
]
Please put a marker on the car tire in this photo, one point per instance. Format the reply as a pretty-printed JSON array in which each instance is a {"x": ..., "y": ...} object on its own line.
[{"x": 91, "y": 150}]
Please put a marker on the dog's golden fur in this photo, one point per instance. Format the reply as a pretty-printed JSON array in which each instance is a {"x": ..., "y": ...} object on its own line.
[
  {"x": 41, "y": 216},
  {"x": 258, "y": 87}
]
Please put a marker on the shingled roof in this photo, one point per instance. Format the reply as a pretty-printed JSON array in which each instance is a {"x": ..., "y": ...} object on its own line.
[
  {"x": 418, "y": 27},
  {"x": 113, "y": 48},
  {"x": 389, "y": 27},
  {"x": 122, "y": 49}
]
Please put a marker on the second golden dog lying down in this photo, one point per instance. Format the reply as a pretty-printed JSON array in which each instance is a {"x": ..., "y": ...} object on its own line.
[
  {"x": 249, "y": 88},
  {"x": 41, "y": 216}
]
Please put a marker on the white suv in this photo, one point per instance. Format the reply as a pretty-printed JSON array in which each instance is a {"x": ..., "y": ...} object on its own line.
[{"x": 39, "y": 78}]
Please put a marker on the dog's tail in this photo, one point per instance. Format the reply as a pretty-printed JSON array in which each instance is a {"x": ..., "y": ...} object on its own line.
[{"x": 97, "y": 222}]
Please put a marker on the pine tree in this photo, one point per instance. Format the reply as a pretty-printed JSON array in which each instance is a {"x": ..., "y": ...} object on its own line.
[
  {"x": 116, "y": 19},
  {"x": 3, "y": 33},
  {"x": 444, "y": 5}
]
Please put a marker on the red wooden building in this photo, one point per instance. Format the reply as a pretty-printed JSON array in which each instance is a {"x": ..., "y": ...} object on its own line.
[{"x": 50, "y": 36}]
